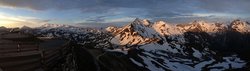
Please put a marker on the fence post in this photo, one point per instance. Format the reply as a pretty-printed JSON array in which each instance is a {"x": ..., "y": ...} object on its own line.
[
  {"x": 37, "y": 45},
  {"x": 43, "y": 60},
  {"x": 18, "y": 47}
]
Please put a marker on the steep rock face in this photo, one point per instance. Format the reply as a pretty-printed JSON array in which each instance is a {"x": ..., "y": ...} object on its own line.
[
  {"x": 138, "y": 32},
  {"x": 179, "y": 47},
  {"x": 240, "y": 26}
]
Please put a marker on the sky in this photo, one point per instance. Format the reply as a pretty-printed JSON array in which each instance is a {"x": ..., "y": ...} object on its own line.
[{"x": 33, "y": 13}]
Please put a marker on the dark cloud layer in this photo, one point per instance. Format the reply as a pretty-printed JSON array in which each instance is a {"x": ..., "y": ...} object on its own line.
[
  {"x": 153, "y": 8},
  {"x": 159, "y": 5},
  {"x": 235, "y": 6}
]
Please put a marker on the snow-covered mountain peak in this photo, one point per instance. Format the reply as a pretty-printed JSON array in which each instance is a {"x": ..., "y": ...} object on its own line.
[
  {"x": 202, "y": 26},
  {"x": 137, "y": 32},
  {"x": 164, "y": 28},
  {"x": 160, "y": 22},
  {"x": 146, "y": 22},
  {"x": 240, "y": 26},
  {"x": 111, "y": 29},
  {"x": 137, "y": 21},
  {"x": 54, "y": 25},
  {"x": 142, "y": 27},
  {"x": 143, "y": 22},
  {"x": 25, "y": 27},
  {"x": 200, "y": 22}
]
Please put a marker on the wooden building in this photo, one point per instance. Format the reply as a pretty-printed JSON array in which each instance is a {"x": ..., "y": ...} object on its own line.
[{"x": 22, "y": 52}]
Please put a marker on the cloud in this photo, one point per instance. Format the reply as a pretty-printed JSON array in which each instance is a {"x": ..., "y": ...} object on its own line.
[
  {"x": 96, "y": 19},
  {"x": 226, "y": 6},
  {"x": 95, "y": 5},
  {"x": 153, "y": 9},
  {"x": 19, "y": 21},
  {"x": 117, "y": 20},
  {"x": 40, "y": 5},
  {"x": 107, "y": 22}
]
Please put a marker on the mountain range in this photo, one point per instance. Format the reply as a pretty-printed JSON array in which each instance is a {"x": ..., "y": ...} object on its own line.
[{"x": 160, "y": 46}]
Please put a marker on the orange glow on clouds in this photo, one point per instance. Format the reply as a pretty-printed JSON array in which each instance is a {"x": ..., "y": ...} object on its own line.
[
  {"x": 11, "y": 21},
  {"x": 9, "y": 24}
]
